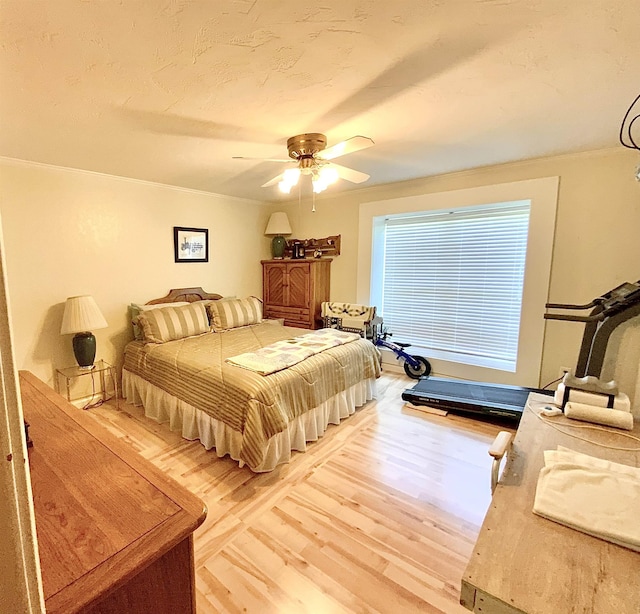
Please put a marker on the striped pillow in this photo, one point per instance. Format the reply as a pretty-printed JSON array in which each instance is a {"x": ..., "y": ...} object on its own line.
[
  {"x": 134, "y": 312},
  {"x": 233, "y": 313},
  {"x": 169, "y": 323}
]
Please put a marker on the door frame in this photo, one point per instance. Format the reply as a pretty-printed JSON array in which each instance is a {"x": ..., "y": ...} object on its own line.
[{"x": 20, "y": 578}]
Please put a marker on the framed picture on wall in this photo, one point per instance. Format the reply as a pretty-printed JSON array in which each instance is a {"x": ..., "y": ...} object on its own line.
[{"x": 191, "y": 244}]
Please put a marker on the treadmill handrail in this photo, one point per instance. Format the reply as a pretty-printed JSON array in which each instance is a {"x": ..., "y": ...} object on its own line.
[
  {"x": 564, "y": 316},
  {"x": 593, "y": 303}
]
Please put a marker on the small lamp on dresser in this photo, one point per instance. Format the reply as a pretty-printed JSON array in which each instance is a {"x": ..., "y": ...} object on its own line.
[
  {"x": 81, "y": 315},
  {"x": 278, "y": 226}
]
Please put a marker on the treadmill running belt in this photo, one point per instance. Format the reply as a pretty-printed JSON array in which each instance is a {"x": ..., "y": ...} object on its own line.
[
  {"x": 475, "y": 397},
  {"x": 475, "y": 392}
]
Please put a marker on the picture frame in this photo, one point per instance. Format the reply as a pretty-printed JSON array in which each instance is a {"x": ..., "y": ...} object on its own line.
[
  {"x": 190, "y": 244},
  {"x": 298, "y": 250}
]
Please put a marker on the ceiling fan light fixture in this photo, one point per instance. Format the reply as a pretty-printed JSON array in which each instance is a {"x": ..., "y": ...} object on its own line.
[
  {"x": 289, "y": 179},
  {"x": 323, "y": 178},
  {"x": 285, "y": 187},
  {"x": 329, "y": 175},
  {"x": 291, "y": 175}
]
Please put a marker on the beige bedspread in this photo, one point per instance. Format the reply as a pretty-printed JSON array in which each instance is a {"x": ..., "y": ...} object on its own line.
[{"x": 194, "y": 370}]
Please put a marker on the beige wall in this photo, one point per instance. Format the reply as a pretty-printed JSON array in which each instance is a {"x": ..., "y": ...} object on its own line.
[
  {"x": 70, "y": 232},
  {"x": 596, "y": 242}
]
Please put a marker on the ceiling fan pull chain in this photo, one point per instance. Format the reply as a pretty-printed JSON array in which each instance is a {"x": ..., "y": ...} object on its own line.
[{"x": 313, "y": 202}]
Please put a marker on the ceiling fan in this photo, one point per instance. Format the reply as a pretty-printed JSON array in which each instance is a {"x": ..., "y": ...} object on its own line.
[{"x": 310, "y": 154}]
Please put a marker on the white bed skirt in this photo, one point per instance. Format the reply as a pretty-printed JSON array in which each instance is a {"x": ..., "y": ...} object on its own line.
[{"x": 193, "y": 423}]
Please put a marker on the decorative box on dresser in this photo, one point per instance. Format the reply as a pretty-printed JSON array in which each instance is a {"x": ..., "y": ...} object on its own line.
[
  {"x": 115, "y": 534},
  {"x": 295, "y": 289}
]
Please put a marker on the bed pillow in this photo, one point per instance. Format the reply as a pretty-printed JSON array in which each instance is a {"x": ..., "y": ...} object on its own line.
[
  {"x": 134, "y": 312},
  {"x": 233, "y": 313},
  {"x": 170, "y": 323}
]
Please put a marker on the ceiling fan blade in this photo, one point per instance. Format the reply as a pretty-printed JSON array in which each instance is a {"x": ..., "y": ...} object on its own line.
[
  {"x": 355, "y": 143},
  {"x": 262, "y": 159},
  {"x": 349, "y": 174},
  {"x": 273, "y": 181}
]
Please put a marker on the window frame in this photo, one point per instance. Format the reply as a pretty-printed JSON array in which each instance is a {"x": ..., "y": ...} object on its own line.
[{"x": 543, "y": 194}]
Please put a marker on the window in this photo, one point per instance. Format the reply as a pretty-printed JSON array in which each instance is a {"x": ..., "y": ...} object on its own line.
[
  {"x": 451, "y": 281},
  {"x": 541, "y": 197}
]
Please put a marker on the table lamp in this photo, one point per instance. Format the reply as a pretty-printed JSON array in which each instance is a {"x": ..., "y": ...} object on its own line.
[
  {"x": 278, "y": 225},
  {"x": 81, "y": 314}
]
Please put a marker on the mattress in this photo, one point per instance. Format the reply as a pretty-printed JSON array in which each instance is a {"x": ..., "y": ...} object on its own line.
[{"x": 257, "y": 407}]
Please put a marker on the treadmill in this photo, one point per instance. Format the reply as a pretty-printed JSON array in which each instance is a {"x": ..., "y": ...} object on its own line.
[
  {"x": 479, "y": 398},
  {"x": 508, "y": 402}
]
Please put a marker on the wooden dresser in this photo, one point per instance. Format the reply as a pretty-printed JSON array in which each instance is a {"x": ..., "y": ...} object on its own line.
[
  {"x": 295, "y": 289},
  {"x": 115, "y": 534}
]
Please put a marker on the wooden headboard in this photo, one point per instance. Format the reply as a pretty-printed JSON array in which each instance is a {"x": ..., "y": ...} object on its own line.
[{"x": 185, "y": 294}]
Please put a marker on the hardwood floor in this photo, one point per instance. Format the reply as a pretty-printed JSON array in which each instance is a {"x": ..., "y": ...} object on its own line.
[{"x": 379, "y": 515}]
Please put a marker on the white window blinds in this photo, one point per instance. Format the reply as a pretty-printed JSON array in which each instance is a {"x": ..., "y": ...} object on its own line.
[{"x": 452, "y": 281}]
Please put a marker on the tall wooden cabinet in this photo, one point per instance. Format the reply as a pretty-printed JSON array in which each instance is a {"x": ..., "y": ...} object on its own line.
[{"x": 295, "y": 289}]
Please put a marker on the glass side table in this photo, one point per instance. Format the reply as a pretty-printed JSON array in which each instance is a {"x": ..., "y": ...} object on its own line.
[{"x": 98, "y": 384}]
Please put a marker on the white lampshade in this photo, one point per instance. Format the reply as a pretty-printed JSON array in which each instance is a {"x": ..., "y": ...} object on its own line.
[
  {"x": 81, "y": 314},
  {"x": 278, "y": 224}
]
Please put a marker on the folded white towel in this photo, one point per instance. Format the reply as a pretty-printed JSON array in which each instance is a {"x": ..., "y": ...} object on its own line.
[
  {"x": 592, "y": 495},
  {"x": 621, "y": 401},
  {"x": 567, "y": 455}
]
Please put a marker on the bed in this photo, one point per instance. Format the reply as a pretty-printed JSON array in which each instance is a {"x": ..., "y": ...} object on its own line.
[{"x": 180, "y": 374}]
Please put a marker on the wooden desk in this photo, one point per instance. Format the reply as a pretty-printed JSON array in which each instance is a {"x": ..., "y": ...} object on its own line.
[
  {"x": 523, "y": 563},
  {"x": 114, "y": 532}
]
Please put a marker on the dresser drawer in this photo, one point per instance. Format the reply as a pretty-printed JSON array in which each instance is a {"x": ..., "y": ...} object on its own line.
[
  {"x": 295, "y": 313},
  {"x": 297, "y": 323}
]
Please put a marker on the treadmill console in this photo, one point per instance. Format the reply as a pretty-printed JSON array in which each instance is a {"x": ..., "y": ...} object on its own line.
[{"x": 622, "y": 293}]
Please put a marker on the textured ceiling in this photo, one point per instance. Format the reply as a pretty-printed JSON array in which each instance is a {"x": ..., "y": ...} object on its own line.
[{"x": 169, "y": 91}]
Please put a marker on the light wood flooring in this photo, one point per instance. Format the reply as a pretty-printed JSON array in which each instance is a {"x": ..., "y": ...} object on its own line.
[{"x": 379, "y": 515}]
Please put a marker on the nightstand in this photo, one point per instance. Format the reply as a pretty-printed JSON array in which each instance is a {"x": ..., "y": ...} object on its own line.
[{"x": 96, "y": 384}]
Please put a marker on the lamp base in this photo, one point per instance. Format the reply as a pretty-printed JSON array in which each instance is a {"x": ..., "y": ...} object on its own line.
[
  {"x": 278, "y": 244},
  {"x": 84, "y": 349}
]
